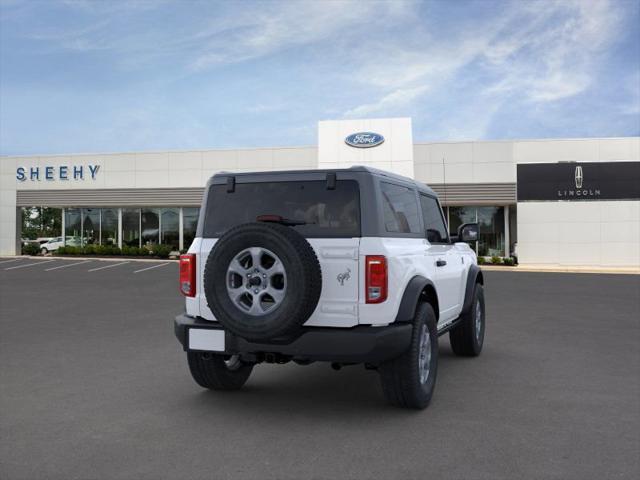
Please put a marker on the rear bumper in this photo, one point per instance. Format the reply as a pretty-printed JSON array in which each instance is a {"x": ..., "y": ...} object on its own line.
[{"x": 361, "y": 344}]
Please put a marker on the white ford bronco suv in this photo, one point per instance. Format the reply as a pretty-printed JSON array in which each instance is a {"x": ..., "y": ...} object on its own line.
[{"x": 346, "y": 266}]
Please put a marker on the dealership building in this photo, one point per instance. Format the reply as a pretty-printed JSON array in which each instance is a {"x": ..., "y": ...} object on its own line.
[{"x": 560, "y": 202}]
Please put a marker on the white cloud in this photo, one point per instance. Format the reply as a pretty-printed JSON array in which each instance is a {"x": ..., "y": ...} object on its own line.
[
  {"x": 288, "y": 25},
  {"x": 396, "y": 99},
  {"x": 552, "y": 55},
  {"x": 538, "y": 51}
]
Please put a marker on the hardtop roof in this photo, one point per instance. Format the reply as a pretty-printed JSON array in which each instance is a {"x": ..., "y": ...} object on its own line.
[{"x": 356, "y": 168}]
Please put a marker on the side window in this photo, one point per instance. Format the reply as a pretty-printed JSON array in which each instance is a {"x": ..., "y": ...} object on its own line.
[
  {"x": 433, "y": 220},
  {"x": 400, "y": 209}
]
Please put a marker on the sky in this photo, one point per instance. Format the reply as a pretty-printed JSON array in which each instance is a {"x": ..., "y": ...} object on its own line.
[{"x": 87, "y": 76}]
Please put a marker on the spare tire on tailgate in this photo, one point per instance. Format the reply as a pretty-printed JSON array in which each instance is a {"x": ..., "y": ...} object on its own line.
[{"x": 262, "y": 281}]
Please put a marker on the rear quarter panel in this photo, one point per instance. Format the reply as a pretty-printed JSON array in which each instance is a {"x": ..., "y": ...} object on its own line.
[{"x": 405, "y": 259}]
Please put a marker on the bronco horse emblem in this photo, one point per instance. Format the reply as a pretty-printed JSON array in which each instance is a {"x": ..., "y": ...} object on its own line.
[{"x": 342, "y": 277}]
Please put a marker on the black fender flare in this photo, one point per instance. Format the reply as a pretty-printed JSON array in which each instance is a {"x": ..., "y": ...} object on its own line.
[
  {"x": 474, "y": 276},
  {"x": 412, "y": 295}
]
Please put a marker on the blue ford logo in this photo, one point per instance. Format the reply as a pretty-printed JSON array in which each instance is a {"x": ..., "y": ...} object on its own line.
[{"x": 364, "y": 139}]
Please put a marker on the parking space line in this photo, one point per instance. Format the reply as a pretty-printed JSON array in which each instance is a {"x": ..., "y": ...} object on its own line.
[
  {"x": 9, "y": 261},
  {"x": 108, "y": 266},
  {"x": 65, "y": 266},
  {"x": 30, "y": 264},
  {"x": 149, "y": 268}
]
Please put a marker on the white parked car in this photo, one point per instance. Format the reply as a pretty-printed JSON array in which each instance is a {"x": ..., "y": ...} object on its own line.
[
  {"x": 57, "y": 242},
  {"x": 345, "y": 266}
]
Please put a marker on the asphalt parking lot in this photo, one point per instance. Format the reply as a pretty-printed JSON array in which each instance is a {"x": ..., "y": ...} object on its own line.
[{"x": 93, "y": 385}]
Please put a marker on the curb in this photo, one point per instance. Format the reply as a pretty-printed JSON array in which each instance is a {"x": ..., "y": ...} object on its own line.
[
  {"x": 558, "y": 269},
  {"x": 98, "y": 259}
]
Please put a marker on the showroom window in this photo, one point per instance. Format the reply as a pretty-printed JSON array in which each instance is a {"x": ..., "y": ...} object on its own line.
[
  {"x": 189, "y": 226},
  {"x": 90, "y": 226},
  {"x": 131, "y": 227},
  {"x": 72, "y": 226},
  {"x": 170, "y": 227},
  {"x": 459, "y": 216},
  {"x": 141, "y": 227},
  {"x": 491, "y": 224},
  {"x": 150, "y": 226},
  {"x": 109, "y": 227},
  {"x": 41, "y": 222}
]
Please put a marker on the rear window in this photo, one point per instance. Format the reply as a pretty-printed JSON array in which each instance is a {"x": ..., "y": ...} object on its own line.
[{"x": 326, "y": 213}]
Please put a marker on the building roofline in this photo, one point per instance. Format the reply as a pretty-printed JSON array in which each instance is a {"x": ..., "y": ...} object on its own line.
[
  {"x": 519, "y": 140},
  {"x": 147, "y": 152},
  {"x": 297, "y": 147}
]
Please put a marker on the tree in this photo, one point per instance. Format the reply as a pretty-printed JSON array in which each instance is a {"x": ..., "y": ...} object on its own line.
[{"x": 41, "y": 222}]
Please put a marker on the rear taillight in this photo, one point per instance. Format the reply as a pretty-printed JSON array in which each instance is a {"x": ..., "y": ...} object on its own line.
[
  {"x": 376, "y": 280},
  {"x": 188, "y": 275}
]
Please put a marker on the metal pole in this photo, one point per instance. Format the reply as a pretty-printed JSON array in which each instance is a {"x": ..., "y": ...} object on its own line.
[
  {"x": 64, "y": 228},
  {"x": 119, "y": 228},
  {"x": 181, "y": 231},
  {"x": 507, "y": 240}
]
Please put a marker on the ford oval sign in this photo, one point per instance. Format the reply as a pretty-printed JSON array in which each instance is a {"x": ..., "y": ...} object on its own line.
[{"x": 364, "y": 139}]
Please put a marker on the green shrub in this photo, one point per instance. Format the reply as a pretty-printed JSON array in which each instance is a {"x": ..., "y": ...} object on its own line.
[
  {"x": 508, "y": 261},
  {"x": 107, "y": 250},
  {"x": 103, "y": 250},
  {"x": 161, "y": 251},
  {"x": 481, "y": 261},
  {"x": 31, "y": 249},
  {"x": 496, "y": 260}
]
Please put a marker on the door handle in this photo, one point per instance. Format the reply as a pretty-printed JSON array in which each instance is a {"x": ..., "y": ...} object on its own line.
[{"x": 441, "y": 263}]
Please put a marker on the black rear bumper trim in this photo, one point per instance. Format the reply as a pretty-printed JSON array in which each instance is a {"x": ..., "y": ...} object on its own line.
[{"x": 360, "y": 344}]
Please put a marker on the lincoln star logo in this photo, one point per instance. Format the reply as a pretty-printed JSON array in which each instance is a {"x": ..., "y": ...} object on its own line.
[
  {"x": 364, "y": 139},
  {"x": 344, "y": 276},
  {"x": 579, "y": 177},
  {"x": 580, "y": 191}
]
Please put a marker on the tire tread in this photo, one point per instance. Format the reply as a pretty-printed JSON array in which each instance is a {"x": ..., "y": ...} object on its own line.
[{"x": 212, "y": 373}]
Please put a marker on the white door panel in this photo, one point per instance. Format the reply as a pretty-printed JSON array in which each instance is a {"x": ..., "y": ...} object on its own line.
[{"x": 448, "y": 269}]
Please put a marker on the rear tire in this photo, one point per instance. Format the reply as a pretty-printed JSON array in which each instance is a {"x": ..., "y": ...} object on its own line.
[
  {"x": 404, "y": 383},
  {"x": 218, "y": 372},
  {"x": 467, "y": 338}
]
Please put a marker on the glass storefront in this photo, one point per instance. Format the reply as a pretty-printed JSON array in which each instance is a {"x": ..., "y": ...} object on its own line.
[
  {"x": 40, "y": 222},
  {"x": 131, "y": 227},
  {"x": 109, "y": 227},
  {"x": 72, "y": 226},
  {"x": 150, "y": 222},
  {"x": 189, "y": 225},
  {"x": 150, "y": 226},
  {"x": 491, "y": 223},
  {"x": 140, "y": 226},
  {"x": 90, "y": 226},
  {"x": 170, "y": 227}
]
